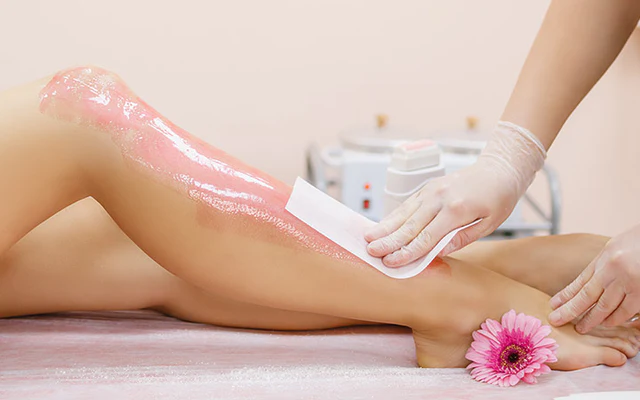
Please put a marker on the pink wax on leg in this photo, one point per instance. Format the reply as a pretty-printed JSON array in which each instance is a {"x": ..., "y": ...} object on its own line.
[{"x": 100, "y": 99}]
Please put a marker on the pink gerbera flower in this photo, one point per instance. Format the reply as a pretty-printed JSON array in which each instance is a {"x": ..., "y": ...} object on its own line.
[{"x": 518, "y": 349}]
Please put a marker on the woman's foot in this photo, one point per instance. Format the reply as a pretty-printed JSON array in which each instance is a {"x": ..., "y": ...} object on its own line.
[
  {"x": 443, "y": 344},
  {"x": 624, "y": 338}
]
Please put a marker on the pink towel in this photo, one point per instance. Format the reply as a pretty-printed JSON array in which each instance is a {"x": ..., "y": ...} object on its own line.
[{"x": 144, "y": 355}]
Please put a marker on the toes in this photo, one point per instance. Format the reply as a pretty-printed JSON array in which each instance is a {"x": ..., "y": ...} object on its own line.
[
  {"x": 611, "y": 357},
  {"x": 624, "y": 346},
  {"x": 623, "y": 339},
  {"x": 634, "y": 337}
]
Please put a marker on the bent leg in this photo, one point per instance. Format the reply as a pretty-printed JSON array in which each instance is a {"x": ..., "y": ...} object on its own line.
[
  {"x": 74, "y": 262},
  {"x": 42, "y": 164},
  {"x": 547, "y": 263},
  {"x": 79, "y": 260}
]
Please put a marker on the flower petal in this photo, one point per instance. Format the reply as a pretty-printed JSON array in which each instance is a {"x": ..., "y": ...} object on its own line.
[
  {"x": 474, "y": 356},
  {"x": 483, "y": 373},
  {"x": 531, "y": 325},
  {"x": 493, "y": 327},
  {"x": 546, "y": 342},
  {"x": 481, "y": 345},
  {"x": 508, "y": 320},
  {"x": 520, "y": 322},
  {"x": 544, "y": 369},
  {"x": 518, "y": 332},
  {"x": 540, "y": 334}
]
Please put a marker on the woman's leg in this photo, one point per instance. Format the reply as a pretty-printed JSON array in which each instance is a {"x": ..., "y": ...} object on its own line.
[
  {"x": 547, "y": 263},
  {"x": 76, "y": 261},
  {"x": 221, "y": 225},
  {"x": 42, "y": 167},
  {"x": 79, "y": 260},
  {"x": 259, "y": 255}
]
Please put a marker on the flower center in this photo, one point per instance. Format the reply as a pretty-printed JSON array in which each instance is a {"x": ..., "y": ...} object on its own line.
[{"x": 512, "y": 356}]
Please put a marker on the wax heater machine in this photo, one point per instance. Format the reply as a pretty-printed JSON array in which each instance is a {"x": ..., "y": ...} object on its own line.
[{"x": 373, "y": 170}]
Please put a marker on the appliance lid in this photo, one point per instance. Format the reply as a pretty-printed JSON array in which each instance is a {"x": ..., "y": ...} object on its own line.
[
  {"x": 378, "y": 139},
  {"x": 469, "y": 141},
  {"x": 461, "y": 146}
]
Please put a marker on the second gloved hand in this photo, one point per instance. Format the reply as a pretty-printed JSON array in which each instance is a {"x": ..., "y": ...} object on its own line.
[
  {"x": 607, "y": 291},
  {"x": 489, "y": 189}
]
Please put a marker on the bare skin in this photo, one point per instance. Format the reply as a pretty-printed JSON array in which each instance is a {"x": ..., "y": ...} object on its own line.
[
  {"x": 553, "y": 260},
  {"x": 576, "y": 44},
  {"x": 247, "y": 280},
  {"x": 79, "y": 258}
]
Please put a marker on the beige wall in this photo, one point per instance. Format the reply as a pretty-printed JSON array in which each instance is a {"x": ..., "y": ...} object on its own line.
[{"x": 262, "y": 78}]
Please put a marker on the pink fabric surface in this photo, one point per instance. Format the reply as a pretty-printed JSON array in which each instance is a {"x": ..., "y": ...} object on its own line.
[{"x": 144, "y": 355}]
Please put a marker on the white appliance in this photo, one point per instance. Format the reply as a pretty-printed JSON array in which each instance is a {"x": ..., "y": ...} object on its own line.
[
  {"x": 412, "y": 166},
  {"x": 355, "y": 172}
]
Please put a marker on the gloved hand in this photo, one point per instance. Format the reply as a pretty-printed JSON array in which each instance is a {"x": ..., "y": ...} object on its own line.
[
  {"x": 610, "y": 284},
  {"x": 489, "y": 189}
]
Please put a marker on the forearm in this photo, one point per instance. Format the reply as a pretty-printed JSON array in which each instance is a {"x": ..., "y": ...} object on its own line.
[{"x": 578, "y": 41}]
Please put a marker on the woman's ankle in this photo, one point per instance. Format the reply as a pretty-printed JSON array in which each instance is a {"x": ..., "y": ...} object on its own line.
[{"x": 449, "y": 296}]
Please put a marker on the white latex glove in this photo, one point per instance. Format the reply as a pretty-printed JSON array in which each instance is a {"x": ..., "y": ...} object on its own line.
[
  {"x": 608, "y": 289},
  {"x": 489, "y": 189}
]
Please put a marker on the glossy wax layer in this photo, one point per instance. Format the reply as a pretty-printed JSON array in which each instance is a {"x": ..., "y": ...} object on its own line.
[{"x": 100, "y": 99}]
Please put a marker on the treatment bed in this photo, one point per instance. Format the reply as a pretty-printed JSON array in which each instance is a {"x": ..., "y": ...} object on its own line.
[{"x": 145, "y": 355}]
